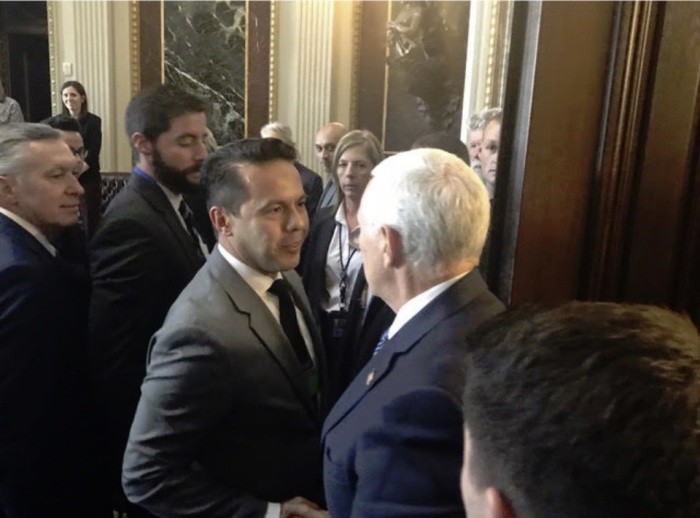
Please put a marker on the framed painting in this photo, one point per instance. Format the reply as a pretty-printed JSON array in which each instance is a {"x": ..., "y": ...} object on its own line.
[{"x": 411, "y": 69}]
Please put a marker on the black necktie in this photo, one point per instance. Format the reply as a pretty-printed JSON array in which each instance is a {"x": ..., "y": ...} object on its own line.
[
  {"x": 288, "y": 319},
  {"x": 187, "y": 215}
]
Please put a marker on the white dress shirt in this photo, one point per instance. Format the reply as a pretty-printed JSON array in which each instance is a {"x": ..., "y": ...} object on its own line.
[
  {"x": 411, "y": 308},
  {"x": 341, "y": 235}
]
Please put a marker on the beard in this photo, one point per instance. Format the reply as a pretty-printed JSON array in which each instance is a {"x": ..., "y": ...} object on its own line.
[{"x": 174, "y": 179}]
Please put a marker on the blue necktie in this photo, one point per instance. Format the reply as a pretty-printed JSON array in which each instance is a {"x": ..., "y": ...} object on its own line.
[{"x": 381, "y": 342}]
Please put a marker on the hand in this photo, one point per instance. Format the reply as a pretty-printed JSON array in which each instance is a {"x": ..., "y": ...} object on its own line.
[{"x": 300, "y": 507}]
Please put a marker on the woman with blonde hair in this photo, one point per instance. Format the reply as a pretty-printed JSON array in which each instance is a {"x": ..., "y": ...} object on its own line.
[{"x": 332, "y": 263}]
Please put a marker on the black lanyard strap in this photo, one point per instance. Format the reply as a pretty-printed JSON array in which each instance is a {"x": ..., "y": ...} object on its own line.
[{"x": 344, "y": 266}]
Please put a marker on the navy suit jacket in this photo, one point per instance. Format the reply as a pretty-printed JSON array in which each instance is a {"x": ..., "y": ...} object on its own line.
[
  {"x": 141, "y": 258},
  {"x": 393, "y": 442},
  {"x": 48, "y": 442},
  {"x": 226, "y": 422}
]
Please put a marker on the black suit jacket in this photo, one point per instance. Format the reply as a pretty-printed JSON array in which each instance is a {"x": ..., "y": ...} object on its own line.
[
  {"x": 49, "y": 456},
  {"x": 364, "y": 326},
  {"x": 141, "y": 258},
  {"x": 226, "y": 422},
  {"x": 91, "y": 131},
  {"x": 313, "y": 187},
  {"x": 393, "y": 442}
]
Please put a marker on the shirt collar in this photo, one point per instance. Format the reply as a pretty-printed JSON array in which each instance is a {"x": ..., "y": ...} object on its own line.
[
  {"x": 32, "y": 229},
  {"x": 258, "y": 281},
  {"x": 174, "y": 199},
  {"x": 411, "y": 308}
]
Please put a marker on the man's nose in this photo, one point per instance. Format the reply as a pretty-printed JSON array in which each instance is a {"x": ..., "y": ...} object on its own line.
[
  {"x": 298, "y": 219},
  {"x": 75, "y": 187},
  {"x": 200, "y": 151}
]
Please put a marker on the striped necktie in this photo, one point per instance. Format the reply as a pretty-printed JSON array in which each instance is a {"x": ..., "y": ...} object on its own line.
[
  {"x": 188, "y": 217},
  {"x": 381, "y": 342}
]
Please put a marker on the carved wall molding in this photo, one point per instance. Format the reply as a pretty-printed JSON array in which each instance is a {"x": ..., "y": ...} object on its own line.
[
  {"x": 134, "y": 47},
  {"x": 618, "y": 158},
  {"x": 56, "y": 105}
]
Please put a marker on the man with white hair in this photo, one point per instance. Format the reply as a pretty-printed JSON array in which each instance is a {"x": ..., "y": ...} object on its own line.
[
  {"x": 49, "y": 443},
  {"x": 392, "y": 442}
]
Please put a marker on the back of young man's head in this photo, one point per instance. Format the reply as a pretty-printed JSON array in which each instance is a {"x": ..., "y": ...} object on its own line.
[
  {"x": 583, "y": 410},
  {"x": 151, "y": 111},
  {"x": 63, "y": 122}
]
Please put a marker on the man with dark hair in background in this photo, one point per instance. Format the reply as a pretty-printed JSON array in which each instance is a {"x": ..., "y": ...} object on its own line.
[
  {"x": 49, "y": 453},
  {"x": 230, "y": 414},
  {"x": 583, "y": 410},
  {"x": 445, "y": 141},
  {"x": 144, "y": 252}
]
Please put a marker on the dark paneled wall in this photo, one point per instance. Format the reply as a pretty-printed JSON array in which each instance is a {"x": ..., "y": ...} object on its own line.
[{"x": 603, "y": 186}]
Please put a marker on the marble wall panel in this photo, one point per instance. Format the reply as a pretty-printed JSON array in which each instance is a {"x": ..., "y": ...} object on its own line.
[{"x": 205, "y": 53}]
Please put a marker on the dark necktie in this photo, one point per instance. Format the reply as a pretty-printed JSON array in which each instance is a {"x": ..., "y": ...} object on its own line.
[
  {"x": 381, "y": 342},
  {"x": 288, "y": 320},
  {"x": 187, "y": 215}
]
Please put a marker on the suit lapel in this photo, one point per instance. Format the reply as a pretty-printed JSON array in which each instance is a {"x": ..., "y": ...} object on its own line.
[
  {"x": 157, "y": 199},
  {"x": 263, "y": 325},
  {"x": 454, "y": 299}
]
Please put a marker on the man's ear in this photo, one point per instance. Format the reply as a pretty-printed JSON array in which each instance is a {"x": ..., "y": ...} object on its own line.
[
  {"x": 7, "y": 190},
  {"x": 499, "y": 506},
  {"x": 392, "y": 246},
  {"x": 141, "y": 144},
  {"x": 222, "y": 220}
]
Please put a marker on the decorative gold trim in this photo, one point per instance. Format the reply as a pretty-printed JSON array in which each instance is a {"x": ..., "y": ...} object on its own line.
[
  {"x": 491, "y": 53},
  {"x": 272, "y": 72},
  {"x": 162, "y": 42},
  {"x": 134, "y": 47},
  {"x": 246, "y": 63},
  {"x": 53, "y": 64},
  {"x": 357, "y": 28},
  {"x": 387, "y": 70}
]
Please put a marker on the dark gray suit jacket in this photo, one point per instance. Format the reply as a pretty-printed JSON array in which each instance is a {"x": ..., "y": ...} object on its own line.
[
  {"x": 393, "y": 442},
  {"x": 141, "y": 258},
  {"x": 225, "y": 423}
]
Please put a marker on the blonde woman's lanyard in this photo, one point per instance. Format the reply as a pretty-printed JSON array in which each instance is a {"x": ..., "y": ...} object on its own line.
[{"x": 344, "y": 267}]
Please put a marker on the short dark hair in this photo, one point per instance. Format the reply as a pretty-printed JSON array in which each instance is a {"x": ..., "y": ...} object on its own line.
[
  {"x": 586, "y": 409},
  {"x": 221, "y": 176},
  {"x": 445, "y": 141},
  {"x": 63, "y": 122},
  {"x": 81, "y": 91},
  {"x": 151, "y": 110}
]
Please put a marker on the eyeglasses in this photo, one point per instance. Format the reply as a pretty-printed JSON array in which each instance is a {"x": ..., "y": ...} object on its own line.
[{"x": 81, "y": 153}]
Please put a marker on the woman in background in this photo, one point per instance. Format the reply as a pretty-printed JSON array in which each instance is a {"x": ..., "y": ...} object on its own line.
[
  {"x": 9, "y": 108},
  {"x": 75, "y": 104},
  {"x": 332, "y": 266}
]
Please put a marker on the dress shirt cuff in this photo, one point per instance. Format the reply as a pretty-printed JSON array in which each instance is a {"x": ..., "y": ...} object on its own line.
[{"x": 273, "y": 510}]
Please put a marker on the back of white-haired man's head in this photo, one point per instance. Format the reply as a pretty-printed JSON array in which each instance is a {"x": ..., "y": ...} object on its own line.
[{"x": 435, "y": 202}]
